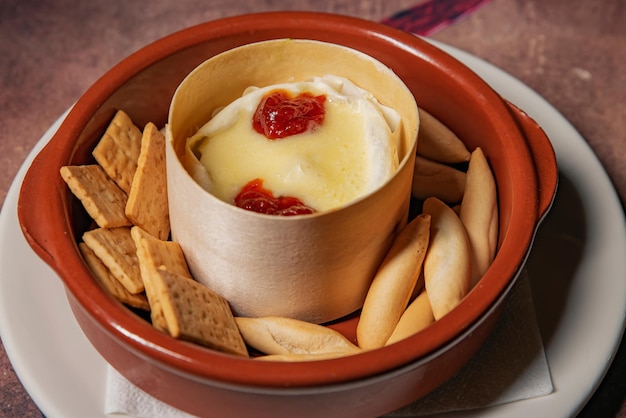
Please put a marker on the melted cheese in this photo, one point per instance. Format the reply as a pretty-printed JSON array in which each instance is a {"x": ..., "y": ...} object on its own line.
[{"x": 350, "y": 155}]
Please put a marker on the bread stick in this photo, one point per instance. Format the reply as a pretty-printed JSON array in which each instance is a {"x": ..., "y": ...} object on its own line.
[
  {"x": 393, "y": 284},
  {"x": 280, "y": 336},
  {"x": 479, "y": 214},
  {"x": 447, "y": 266},
  {"x": 437, "y": 142},
  {"x": 433, "y": 179},
  {"x": 417, "y": 316},
  {"x": 293, "y": 357}
]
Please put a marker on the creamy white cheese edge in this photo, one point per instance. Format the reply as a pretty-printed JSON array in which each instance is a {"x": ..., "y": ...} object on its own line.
[{"x": 351, "y": 155}]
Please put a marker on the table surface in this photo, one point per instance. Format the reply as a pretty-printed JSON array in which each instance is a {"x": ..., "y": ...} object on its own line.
[{"x": 570, "y": 52}]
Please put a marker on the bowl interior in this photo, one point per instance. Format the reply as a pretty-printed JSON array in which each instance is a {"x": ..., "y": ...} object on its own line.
[{"x": 143, "y": 86}]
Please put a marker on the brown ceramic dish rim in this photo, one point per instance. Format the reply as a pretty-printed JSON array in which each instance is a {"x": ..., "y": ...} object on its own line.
[{"x": 203, "y": 364}]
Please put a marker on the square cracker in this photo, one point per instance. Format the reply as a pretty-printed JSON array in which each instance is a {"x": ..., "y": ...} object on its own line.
[
  {"x": 153, "y": 254},
  {"x": 116, "y": 249},
  {"x": 147, "y": 200},
  {"x": 196, "y": 313},
  {"x": 103, "y": 200},
  {"x": 118, "y": 150},
  {"x": 110, "y": 283}
]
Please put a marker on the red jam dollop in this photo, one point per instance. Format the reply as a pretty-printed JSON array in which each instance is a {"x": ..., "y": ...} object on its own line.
[
  {"x": 254, "y": 197},
  {"x": 280, "y": 114}
]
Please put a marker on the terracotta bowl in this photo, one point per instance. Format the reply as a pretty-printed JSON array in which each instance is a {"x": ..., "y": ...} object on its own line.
[{"x": 208, "y": 383}]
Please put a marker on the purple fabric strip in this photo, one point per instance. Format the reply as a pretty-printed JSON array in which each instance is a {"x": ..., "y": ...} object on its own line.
[{"x": 431, "y": 16}]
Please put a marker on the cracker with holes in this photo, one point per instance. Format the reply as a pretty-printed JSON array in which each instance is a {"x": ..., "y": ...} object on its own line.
[
  {"x": 196, "y": 313},
  {"x": 118, "y": 150},
  {"x": 116, "y": 249},
  {"x": 147, "y": 200},
  {"x": 110, "y": 283},
  {"x": 103, "y": 200},
  {"x": 153, "y": 254}
]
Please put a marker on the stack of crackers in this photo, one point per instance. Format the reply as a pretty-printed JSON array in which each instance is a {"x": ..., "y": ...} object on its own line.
[{"x": 128, "y": 249}]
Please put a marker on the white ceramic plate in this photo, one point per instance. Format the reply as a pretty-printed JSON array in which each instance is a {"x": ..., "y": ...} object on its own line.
[{"x": 65, "y": 376}]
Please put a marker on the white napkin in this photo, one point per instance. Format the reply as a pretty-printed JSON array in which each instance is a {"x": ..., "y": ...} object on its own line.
[
  {"x": 512, "y": 366},
  {"x": 122, "y": 398}
]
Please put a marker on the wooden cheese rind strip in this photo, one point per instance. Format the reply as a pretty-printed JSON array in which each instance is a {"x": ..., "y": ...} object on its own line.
[
  {"x": 393, "y": 284},
  {"x": 447, "y": 266},
  {"x": 433, "y": 179},
  {"x": 103, "y": 200},
  {"x": 437, "y": 142},
  {"x": 280, "y": 335},
  {"x": 479, "y": 214},
  {"x": 417, "y": 316}
]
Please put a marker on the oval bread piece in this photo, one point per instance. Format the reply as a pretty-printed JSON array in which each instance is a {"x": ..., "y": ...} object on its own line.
[
  {"x": 479, "y": 214},
  {"x": 393, "y": 284},
  {"x": 437, "y": 142},
  {"x": 434, "y": 179},
  {"x": 417, "y": 316},
  {"x": 447, "y": 266},
  {"x": 293, "y": 357},
  {"x": 279, "y": 335}
]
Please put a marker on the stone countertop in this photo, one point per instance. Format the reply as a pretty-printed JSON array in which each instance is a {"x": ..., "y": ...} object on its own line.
[{"x": 572, "y": 53}]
